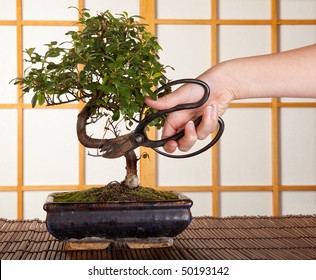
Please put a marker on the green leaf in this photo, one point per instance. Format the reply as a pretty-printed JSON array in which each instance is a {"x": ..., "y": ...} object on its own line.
[
  {"x": 41, "y": 99},
  {"x": 116, "y": 115},
  {"x": 34, "y": 100},
  {"x": 53, "y": 53},
  {"x": 91, "y": 86},
  {"x": 30, "y": 51},
  {"x": 106, "y": 88},
  {"x": 52, "y": 66},
  {"x": 151, "y": 93},
  {"x": 157, "y": 75}
]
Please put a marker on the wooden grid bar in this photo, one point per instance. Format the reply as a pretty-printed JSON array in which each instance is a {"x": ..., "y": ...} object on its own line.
[
  {"x": 275, "y": 118},
  {"x": 148, "y": 169},
  {"x": 215, "y": 149},
  {"x": 20, "y": 109},
  {"x": 172, "y": 21}
]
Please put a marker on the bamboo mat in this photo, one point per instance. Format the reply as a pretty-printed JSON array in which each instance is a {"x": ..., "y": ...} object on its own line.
[{"x": 233, "y": 238}]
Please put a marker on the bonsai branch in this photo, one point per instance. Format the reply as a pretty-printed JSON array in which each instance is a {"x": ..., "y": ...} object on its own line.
[{"x": 82, "y": 120}]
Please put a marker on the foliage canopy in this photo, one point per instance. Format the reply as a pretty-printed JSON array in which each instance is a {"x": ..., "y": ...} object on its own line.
[{"x": 114, "y": 58}]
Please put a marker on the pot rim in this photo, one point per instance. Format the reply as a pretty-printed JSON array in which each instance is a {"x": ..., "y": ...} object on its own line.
[{"x": 51, "y": 206}]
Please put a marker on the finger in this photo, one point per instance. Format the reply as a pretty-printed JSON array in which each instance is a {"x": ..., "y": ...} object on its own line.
[
  {"x": 209, "y": 122},
  {"x": 170, "y": 146},
  {"x": 189, "y": 138}
]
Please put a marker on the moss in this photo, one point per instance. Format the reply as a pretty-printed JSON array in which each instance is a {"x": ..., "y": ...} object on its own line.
[{"x": 114, "y": 192}]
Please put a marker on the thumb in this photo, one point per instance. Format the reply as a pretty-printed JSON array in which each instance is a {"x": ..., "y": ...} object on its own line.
[
  {"x": 164, "y": 102},
  {"x": 181, "y": 95}
]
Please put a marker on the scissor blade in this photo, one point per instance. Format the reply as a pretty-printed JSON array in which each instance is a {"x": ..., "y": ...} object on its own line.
[{"x": 117, "y": 147}]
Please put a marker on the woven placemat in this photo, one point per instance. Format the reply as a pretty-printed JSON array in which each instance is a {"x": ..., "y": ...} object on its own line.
[{"x": 232, "y": 238}]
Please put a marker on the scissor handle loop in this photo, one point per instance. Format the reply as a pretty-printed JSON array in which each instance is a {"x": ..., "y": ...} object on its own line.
[
  {"x": 141, "y": 133},
  {"x": 148, "y": 119},
  {"x": 205, "y": 148}
]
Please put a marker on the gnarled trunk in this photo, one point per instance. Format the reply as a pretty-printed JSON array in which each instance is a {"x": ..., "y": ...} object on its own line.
[{"x": 131, "y": 178}]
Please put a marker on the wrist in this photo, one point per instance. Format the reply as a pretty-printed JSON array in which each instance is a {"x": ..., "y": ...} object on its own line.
[{"x": 222, "y": 80}]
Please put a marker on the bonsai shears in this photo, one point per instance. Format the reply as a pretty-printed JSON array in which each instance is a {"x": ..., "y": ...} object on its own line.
[{"x": 139, "y": 137}]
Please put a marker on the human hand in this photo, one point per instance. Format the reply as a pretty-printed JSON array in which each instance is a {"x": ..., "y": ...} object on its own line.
[{"x": 215, "y": 106}]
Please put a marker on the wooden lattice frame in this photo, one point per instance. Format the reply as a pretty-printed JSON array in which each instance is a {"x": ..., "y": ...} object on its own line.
[{"x": 148, "y": 173}]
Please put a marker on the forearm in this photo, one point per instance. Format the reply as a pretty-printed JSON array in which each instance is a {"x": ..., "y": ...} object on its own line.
[{"x": 285, "y": 74}]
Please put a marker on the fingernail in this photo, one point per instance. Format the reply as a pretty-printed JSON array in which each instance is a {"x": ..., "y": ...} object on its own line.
[
  {"x": 208, "y": 111},
  {"x": 191, "y": 125},
  {"x": 170, "y": 147},
  {"x": 173, "y": 145},
  {"x": 214, "y": 111}
]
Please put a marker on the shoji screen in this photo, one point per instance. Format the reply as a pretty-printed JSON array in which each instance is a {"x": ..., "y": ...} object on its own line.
[
  {"x": 266, "y": 160},
  {"x": 39, "y": 147},
  {"x": 265, "y": 163}
]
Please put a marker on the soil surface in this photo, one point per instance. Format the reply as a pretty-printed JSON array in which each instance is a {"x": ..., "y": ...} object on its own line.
[{"x": 114, "y": 191}]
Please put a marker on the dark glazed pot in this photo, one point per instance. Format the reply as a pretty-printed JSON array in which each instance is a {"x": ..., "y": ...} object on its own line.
[{"x": 118, "y": 220}]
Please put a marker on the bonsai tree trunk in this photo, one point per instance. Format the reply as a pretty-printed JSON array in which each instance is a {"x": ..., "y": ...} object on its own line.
[{"x": 131, "y": 179}]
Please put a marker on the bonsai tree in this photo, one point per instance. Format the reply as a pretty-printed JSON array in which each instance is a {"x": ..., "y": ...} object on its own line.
[{"x": 110, "y": 66}]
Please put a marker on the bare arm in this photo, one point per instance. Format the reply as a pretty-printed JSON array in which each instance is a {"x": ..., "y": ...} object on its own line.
[{"x": 285, "y": 74}]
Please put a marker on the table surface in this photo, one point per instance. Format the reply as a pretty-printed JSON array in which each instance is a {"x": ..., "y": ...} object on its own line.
[{"x": 232, "y": 238}]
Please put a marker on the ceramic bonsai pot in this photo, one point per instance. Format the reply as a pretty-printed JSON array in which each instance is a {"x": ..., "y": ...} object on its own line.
[{"x": 136, "y": 223}]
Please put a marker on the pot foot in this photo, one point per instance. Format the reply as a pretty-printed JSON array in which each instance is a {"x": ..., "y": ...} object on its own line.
[
  {"x": 102, "y": 244},
  {"x": 157, "y": 242},
  {"x": 77, "y": 245}
]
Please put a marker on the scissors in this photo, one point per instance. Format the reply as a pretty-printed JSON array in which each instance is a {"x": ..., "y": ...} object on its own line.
[{"x": 139, "y": 137}]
